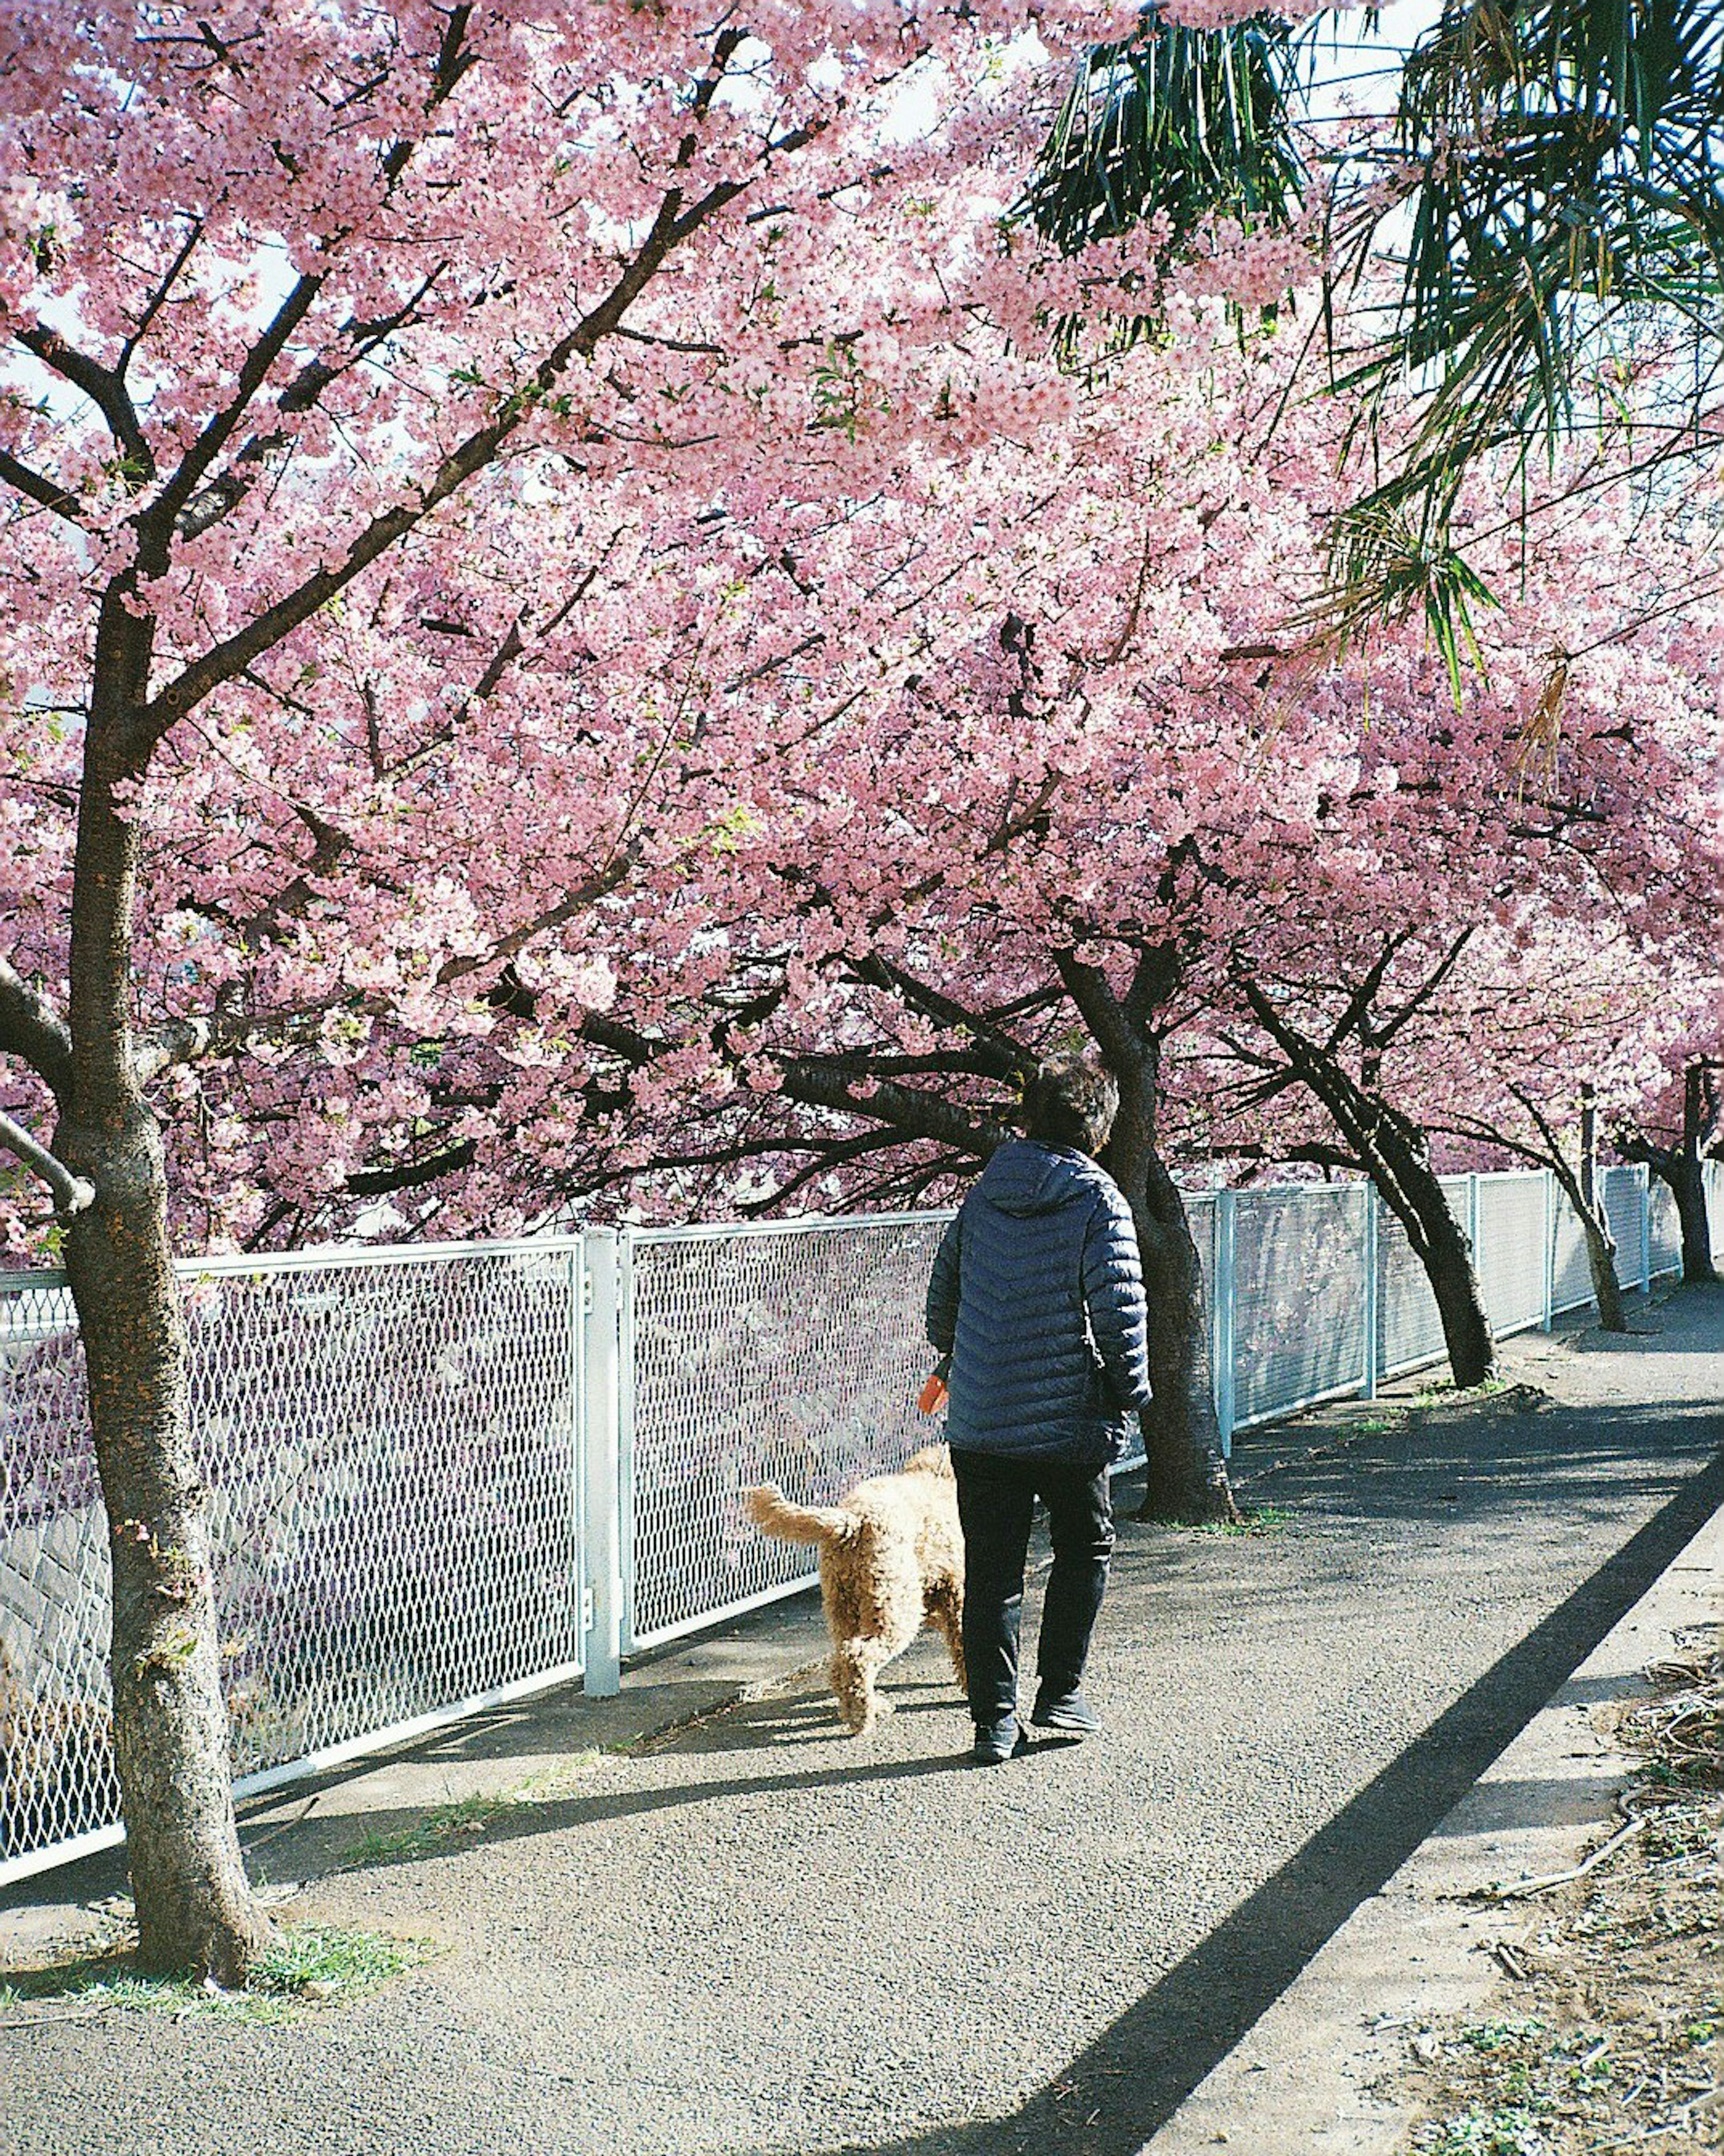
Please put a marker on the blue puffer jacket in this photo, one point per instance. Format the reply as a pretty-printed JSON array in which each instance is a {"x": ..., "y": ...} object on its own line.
[{"x": 1042, "y": 1243}]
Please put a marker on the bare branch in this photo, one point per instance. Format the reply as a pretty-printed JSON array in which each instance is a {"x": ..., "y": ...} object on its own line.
[
  {"x": 100, "y": 384},
  {"x": 62, "y": 500},
  {"x": 72, "y": 1193},
  {"x": 910, "y": 1111},
  {"x": 31, "y": 1028}
]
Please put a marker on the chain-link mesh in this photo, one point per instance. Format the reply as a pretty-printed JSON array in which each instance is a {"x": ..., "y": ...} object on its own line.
[
  {"x": 1511, "y": 1249},
  {"x": 1714, "y": 1180},
  {"x": 389, "y": 1447},
  {"x": 56, "y": 1770},
  {"x": 392, "y": 1444},
  {"x": 1409, "y": 1326},
  {"x": 1571, "y": 1274},
  {"x": 793, "y": 1357},
  {"x": 1299, "y": 1305},
  {"x": 1666, "y": 1229}
]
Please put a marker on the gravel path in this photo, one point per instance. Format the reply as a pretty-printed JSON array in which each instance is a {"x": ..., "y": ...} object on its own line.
[{"x": 757, "y": 1938}]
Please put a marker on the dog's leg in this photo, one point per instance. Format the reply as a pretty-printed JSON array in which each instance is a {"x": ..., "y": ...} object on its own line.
[
  {"x": 946, "y": 1611},
  {"x": 853, "y": 1668}
]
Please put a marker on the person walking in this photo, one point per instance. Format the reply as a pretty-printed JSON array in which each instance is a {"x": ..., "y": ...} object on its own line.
[{"x": 1036, "y": 1298}]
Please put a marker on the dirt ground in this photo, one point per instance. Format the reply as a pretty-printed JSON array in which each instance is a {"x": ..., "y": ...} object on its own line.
[{"x": 1607, "y": 2032}]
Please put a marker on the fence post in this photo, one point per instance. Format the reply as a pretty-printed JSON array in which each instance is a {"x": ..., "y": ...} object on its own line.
[
  {"x": 1221, "y": 1315},
  {"x": 1372, "y": 1291},
  {"x": 1646, "y": 1173},
  {"x": 603, "y": 1597},
  {"x": 1549, "y": 1251}
]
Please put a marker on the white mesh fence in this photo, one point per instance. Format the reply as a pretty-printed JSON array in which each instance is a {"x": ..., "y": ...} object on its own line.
[
  {"x": 1510, "y": 1249},
  {"x": 1299, "y": 1311},
  {"x": 416, "y": 1496},
  {"x": 388, "y": 1441},
  {"x": 56, "y": 1773},
  {"x": 1665, "y": 1229},
  {"x": 790, "y": 1354},
  {"x": 1624, "y": 1194},
  {"x": 1571, "y": 1274}
]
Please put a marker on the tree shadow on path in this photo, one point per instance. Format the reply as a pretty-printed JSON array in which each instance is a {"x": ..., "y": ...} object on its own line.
[{"x": 1128, "y": 2084}]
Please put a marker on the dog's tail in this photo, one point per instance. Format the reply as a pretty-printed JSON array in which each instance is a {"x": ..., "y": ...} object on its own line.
[{"x": 770, "y": 1512}]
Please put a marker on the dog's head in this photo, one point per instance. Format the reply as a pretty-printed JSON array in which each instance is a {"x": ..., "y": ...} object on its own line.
[{"x": 932, "y": 1459}]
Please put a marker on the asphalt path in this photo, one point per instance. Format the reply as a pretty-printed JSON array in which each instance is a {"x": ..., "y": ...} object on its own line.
[{"x": 759, "y": 1937}]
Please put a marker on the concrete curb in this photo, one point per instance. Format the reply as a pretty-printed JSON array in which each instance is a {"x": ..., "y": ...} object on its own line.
[{"x": 1317, "y": 2070}]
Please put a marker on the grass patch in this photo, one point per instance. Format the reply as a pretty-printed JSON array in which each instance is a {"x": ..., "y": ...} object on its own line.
[
  {"x": 332, "y": 1965},
  {"x": 305, "y": 1965},
  {"x": 447, "y": 1826},
  {"x": 1262, "y": 1519}
]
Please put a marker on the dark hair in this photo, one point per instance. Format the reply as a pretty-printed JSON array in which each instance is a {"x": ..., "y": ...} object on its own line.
[{"x": 1070, "y": 1101}]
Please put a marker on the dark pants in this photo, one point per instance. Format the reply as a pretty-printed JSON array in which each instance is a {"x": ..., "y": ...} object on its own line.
[{"x": 996, "y": 1497}]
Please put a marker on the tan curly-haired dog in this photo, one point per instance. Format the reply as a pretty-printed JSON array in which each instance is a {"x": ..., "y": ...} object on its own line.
[{"x": 891, "y": 1556}]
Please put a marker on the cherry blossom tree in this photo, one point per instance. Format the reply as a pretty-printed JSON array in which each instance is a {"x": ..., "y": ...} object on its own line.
[
  {"x": 297, "y": 304},
  {"x": 566, "y": 622},
  {"x": 1675, "y": 1132}
]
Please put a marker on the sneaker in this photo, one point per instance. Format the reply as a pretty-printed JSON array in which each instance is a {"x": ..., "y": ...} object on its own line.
[
  {"x": 999, "y": 1741},
  {"x": 1068, "y": 1712}
]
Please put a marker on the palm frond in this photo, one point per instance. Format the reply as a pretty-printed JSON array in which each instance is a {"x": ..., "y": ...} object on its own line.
[
  {"x": 1176, "y": 123},
  {"x": 1563, "y": 202}
]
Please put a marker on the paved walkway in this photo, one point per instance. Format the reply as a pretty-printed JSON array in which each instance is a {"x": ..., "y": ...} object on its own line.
[{"x": 756, "y": 1937}]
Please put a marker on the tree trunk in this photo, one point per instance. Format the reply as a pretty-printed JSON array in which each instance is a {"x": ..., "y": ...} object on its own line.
[
  {"x": 1186, "y": 1475},
  {"x": 1442, "y": 1248},
  {"x": 1690, "y": 1190},
  {"x": 1607, "y": 1289},
  {"x": 195, "y": 1911},
  {"x": 1395, "y": 1153},
  {"x": 1581, "y": 1189},
  {"x": 1682, "y": 1166},
  {"x": 1687, "y": 1175}
]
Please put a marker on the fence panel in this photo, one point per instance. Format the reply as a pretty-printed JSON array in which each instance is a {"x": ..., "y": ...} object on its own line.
[
  {"x": 388, "y": 1442},
  {"x": 1571, "y": 1275},
  {"x": 790, "y": 1353},
  {"x": 1622, "y": 1188},
  {"x": 398, "y": 1443},
  {"x": 1511, "y": 1249},
  {"x": 1667, "y": 1230},
  {"x": 1409, "y": 1326},
  {"x": 1299, "y": 1255},
  {"x": 56, "y": 1780}
]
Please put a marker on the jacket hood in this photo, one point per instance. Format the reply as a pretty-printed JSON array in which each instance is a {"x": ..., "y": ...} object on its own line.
[{"x": 1024, "y": 1177}]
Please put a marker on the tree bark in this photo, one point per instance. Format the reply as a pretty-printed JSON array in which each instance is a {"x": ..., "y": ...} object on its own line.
[
  {"x": 195, "y": 1911},
  {"x": 1395, "y": 1153},
  {"x": 1187, "y": 1474},
  {"x": 1581, "y": 1189},
  {"x": 1682, "y": 1166},
  {"x": 1687, "y": 1180},
  {"x": 1418, "y": 1200},
  {"x": 1601, "y": 1259}
]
